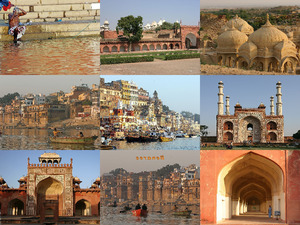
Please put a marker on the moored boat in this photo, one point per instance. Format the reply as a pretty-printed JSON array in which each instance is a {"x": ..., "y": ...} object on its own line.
[
  {"x": 73, "y": 140},
  {"x": 182, "y": 213},
  {"x": 107, "y": 147},
  {"x": 165, "y": 139},
  {"x": 133, "y": 139},
  {"x": 140, "y": 212}
]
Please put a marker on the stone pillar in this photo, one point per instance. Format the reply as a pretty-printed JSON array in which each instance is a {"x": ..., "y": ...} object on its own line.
[
  {"x": 272, "y": 112},
  {"x": 279, "y": 103},
  {"x": 227, "y": 106},
  {"x": 221, "y": 102}
]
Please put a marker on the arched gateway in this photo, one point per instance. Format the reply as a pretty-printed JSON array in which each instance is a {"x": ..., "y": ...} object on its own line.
[{"x": 250, "y": 184}]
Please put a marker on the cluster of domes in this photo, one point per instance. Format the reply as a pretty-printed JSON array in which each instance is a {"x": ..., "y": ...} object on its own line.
[{"x": 267, "y": 42}]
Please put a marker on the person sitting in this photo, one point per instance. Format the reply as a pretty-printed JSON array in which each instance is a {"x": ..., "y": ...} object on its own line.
[
  {"x": 55, "y": 132},
  {"x": 5, "y": 5},
  {"x": 175, "y": 208},
  {"x": 15, "y": 29},
  {"x": 144, "y": 207},
  {"x": 80, "y": 135},
  {"x": 138, "y": 206}
]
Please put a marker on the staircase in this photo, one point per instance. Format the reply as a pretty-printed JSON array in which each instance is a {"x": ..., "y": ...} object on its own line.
[{"x": 55, "y": 19}]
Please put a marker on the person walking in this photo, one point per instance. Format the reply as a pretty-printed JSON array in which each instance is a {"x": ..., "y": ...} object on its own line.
[{"x": 270, "y": 211}]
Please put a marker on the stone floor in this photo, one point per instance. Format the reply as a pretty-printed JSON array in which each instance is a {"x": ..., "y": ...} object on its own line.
[
  {"x": 252, "y": 218},
  {"x": 157, "y": 67}
]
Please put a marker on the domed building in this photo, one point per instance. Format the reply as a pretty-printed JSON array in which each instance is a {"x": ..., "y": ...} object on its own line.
[
  {"x": 239, "y": 24},
  {"x": 229, "y": 43},
  {"x": 267, "y": 49}
]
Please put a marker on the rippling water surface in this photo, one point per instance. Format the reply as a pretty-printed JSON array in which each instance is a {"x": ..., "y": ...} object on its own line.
[
  {"x": 68, "y": 56},
  {"x": 177, "y": 144},
  {"x": 112, "y": 216},
  {"x": 38, "y": 139}
]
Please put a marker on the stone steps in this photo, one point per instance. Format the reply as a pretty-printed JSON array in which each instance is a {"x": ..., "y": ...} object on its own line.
[{"x": 52, "y": 30}]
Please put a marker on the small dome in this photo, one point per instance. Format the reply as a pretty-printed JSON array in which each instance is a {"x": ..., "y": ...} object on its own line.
[
  {"x": 98, "y": 179},
  {"x": 22, "y": 179},
  {"x": 153, "y": 23},
  {"x": 106, "y": 22},
  {"x": 240, "y": 25},
  {"x": 261, "y": 106},
  {"x": 267, "y": 36},
  {"x": 237, "y": 105},
  {"x": 76, "y": 179},
  {"x": 231, "y": 40}
]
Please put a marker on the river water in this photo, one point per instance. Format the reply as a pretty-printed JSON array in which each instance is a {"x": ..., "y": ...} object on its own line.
[
  {"x": 177, "y": 144},
  {"x": 112, "y": 216},
  {"x": 67, "y": 56},
  {"x": 38, "y": 139}
]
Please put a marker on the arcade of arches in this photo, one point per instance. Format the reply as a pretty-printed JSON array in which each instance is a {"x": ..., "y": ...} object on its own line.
[
  {"x": 242, "y": 182},
  {"x": 187, "y": 38}
]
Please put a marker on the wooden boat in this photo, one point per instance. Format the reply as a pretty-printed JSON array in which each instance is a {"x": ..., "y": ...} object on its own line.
[
  {"x": 107, "y": 147},
  {"x": 165, "y": 139},
  {"x": 182, "y": 213},
  {"x": 140, "y": 212},
  {"x": 133, "y": 139},
  {"x": 148, "y": 139},
  {"x": 73, "y": 140}
]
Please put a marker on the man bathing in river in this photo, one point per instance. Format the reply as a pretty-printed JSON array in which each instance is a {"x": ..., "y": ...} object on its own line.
[{"x": 15, "y": 29}]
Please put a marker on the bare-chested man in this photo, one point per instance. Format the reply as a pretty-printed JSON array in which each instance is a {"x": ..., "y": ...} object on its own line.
[{"x": 14, "y": 24}]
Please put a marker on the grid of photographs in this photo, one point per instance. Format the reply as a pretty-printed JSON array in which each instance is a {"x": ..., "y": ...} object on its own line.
[
  {"x": 100, "y": 112},
  {"x": 249, "y": 157}
]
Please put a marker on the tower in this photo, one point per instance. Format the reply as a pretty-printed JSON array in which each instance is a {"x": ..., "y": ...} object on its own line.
[
  {"x": 272, "y": 112},
  {"x": 279, "y": 103},
  {"x": 227, "y": 106},
  {"x": 221, "y": 102}
]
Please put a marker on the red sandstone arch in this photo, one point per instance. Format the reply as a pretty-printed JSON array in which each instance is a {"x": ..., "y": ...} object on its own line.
[
  {"x": 83, "y": 208},
  {"x": 151, "y": 47},
  {"x": 114, "y": 49},
  {"x": 228, "y": 136},
  {"x": 106, "y": 49},
  {"x": 186, "y": 32},
  {"x": 158, "y": 47},
  {"x": 271, "y": 137},
  {"x": 16, "y": 207},
  {"x": 144, "y": 47},
  {"x": 228, "y": 125},
  {"x": 165, "y": 46},
  {"x": 272, "y": 126}
]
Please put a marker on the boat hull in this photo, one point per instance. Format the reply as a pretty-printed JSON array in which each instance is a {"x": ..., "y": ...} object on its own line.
[
  {"x": 107, "y": 147},
  {"x": 73, "y": 140},
  {"x": 140, "y": 212},
  {"x": 165, "y": 139},
  {"x": 182, "y": 213}
]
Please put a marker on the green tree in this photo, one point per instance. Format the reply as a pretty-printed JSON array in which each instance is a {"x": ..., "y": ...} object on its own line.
[
  {"x": 297, "y": 135},
  {"x": 6, "y": 99},
  {"x": 166, "y": 170},
  {"x": 118, "y": 171},
  {"x": 86, "y": 102},
  {"x": 132, "y": 28},
  {"x": 203, "y": 130}
]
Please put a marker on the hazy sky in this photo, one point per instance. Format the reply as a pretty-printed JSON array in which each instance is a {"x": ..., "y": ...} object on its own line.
[
  {"x": 179, "y": 92},
  {"x": 43, "y": 84},
  {"x": 250, "y": 91},
  {"x": 13, "y": 164},
  {"x": 170, "y": 10},
  {"x": 111, "y": 160},
  {"x": 246, "y": 3}
]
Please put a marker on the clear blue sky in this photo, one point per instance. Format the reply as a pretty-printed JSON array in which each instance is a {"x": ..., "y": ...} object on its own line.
[
  {"x": 43, "y": 84},
  {"x": 250, "y": 91},
  {"x": 188, "y": 11},
  {"x": 179, "y": 92},
  {"x": 246, "y": 3},
  {"x": 13, "y": 164}
]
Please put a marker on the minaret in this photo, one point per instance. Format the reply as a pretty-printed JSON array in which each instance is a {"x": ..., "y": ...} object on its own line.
[
  {"x": 279, "y": 103},
  {"x": 227, "y": 106},
  {"x": 272, "y": 112},
  {"x": 221, "y": 102}
]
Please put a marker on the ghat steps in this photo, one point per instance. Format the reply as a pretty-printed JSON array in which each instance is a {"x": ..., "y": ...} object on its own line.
[{"x": 55, "y": 19}]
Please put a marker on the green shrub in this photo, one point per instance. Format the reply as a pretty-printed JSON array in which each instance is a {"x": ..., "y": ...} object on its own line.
[
  {"x": 117, "y": 60},
  {"x": 182, "y": 56}
]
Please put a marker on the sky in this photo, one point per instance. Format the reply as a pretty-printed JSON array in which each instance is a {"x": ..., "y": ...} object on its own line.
[
  {"x": 111, "y": 160},
  {"x": 13, "y": 164},
  {"x": 188, "y": 11},
  {"x": 250, "y": 91},
  {"x": 245, "y": 3},
  {"x": 43, "y": 84},
  {"x": 179, "y": 92}
]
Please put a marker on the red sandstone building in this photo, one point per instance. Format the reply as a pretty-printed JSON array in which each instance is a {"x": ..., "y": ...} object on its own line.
[
  {"x": 243, "y": 182},
  {"x": 184, "y": 38},
  {"x": 49, "y": 191}
]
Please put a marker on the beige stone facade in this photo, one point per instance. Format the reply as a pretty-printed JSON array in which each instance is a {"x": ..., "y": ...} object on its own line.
[
  {"x": 267, "y": 49},
  {"x": 250, "y": 125}
]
